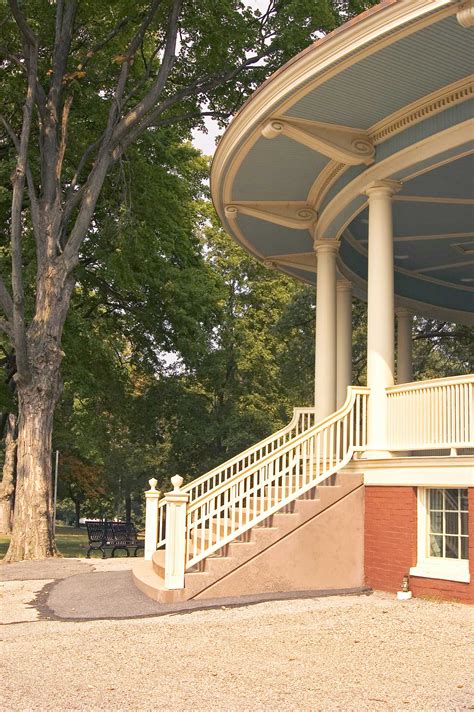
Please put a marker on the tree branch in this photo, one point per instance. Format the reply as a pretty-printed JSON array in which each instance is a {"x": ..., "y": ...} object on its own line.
[
  {"x": 27, "y": 33},
  {"x": 5, "y": 52},
  {"x": 98, "y": 47},
  {"x": 6, "y": 301},
  {"x": 205, "y": 84},
  {"x": 29, "y": 178},
  {"x": 65, "y": 15},
  {"x": 18, "y": 181},
  {"x": 5, "y": 326},
  {"x": 63, "y": 139},
  {"x": 93, "y": 186},
  {"x": 134, "y": 116}
]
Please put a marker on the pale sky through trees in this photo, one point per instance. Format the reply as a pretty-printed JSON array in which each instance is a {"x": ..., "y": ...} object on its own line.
[{"x": 207, "y": 142}]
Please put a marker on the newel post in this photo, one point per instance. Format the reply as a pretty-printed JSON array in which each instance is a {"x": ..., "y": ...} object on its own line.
[
  {"x": 152, "y": 498},
  {"x": 175, "y": 551}
]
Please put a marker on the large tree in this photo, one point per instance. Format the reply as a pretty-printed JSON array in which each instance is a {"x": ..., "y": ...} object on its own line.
[{"x": 94, "y": 78}]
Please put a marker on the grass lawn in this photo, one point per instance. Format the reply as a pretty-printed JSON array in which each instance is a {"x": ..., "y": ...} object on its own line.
[{"x": 71, "y": 542}]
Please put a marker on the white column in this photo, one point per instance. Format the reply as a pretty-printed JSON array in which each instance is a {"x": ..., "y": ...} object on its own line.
[
  {"x": 344, "y": 339},
  {"x": 325, "y": 369},
  {"x": 380, "y": 319},
  {"x": 175, "y": 551},
  {"x": 152, "y": 498},
  {"x": 404, "y": 346}
]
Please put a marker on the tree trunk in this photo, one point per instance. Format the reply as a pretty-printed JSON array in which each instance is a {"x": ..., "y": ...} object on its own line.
[
  {"x": 128, "y": 509},
  {"x": 77, "y": 509},
  {"x": 7, "y": 488},
  {"x": 38, "y": 393},
  {"x": 32, "y": 534}
]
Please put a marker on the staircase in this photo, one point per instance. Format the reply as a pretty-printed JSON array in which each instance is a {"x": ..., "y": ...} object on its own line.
[{"x": 281, "y": 516}]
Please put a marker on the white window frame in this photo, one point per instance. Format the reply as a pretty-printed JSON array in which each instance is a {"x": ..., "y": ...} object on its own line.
[{"x": 430, "y": 566}]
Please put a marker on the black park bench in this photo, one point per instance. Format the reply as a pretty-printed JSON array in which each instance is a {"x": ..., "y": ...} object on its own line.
[{"x": 113, "y": 535}]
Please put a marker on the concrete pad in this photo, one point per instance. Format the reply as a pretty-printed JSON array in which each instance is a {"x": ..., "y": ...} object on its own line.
[
  {"x": 54, "y": 568},
  {"x": 99, "y": 595},
  {"x": 16, "y": 599}
]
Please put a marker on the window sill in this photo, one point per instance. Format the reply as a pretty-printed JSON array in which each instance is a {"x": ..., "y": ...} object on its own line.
[{"x": 445, "y": 570}]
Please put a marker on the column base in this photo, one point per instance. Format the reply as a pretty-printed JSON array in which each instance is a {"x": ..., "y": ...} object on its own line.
[{"x": 376, "y": 455}]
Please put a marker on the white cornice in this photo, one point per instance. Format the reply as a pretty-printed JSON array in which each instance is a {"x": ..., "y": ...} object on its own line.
[{"x": 419, "y": 110}]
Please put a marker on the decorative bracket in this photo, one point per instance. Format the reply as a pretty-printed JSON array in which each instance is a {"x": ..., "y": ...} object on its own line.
[
  {"x": 341, "y": 143},
  {"x": 296, "y": 215}
]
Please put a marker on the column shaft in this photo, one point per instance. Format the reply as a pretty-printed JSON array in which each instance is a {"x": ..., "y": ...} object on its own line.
[
  {"x": 325, "y": 370},
  {"x": 404, "y": 346},
  {"x": 344, "y": 339},
  {"x": 380, "y": 319}
]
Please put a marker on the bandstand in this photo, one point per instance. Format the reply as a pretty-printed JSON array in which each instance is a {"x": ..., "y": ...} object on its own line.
[{"x": 351, "y": 169}]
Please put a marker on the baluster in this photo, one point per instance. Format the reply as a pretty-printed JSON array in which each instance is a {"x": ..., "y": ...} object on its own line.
[
  {"x": 194, "y": 525},
  {"x": 324, "y": 460},
  {"x": 470, "y": 438},
  {"x": 358, "y": 423},
  {"x": 210, "y": 522},
  {"x": 350, "y": 440},
  {"x": 318, "y": 455},
  {"x": 445, "y": 416},
  {"x": 466, "y": 414},
  {"x": 457, "y": 406}
]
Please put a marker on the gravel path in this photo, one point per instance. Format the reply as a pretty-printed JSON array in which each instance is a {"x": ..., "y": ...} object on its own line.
[{"x": 345, "y": 653}]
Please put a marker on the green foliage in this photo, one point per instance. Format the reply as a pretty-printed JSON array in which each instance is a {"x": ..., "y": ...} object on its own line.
[{"x": 245, "y": 385}]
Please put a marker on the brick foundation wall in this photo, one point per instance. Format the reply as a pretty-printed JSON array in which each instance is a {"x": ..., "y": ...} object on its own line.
[{"x": 391, "y": 546}]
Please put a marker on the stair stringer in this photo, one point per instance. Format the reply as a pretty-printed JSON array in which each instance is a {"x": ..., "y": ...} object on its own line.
[{"x": 323, "y": 550}]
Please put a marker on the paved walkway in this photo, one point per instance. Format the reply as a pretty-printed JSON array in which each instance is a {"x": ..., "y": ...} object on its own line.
[{"x": 95, "y": 589}]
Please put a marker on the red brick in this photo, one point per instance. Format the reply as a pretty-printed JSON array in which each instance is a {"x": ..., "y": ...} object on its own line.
[{"x": 391, "y": 548}]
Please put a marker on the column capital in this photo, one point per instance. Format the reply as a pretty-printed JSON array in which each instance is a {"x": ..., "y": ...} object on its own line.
[
  {"x": 382, "y": 187},
  {"x": 465, "y": 15},
  {"x": 343, "y": 285},
  {"x": 404, "y": 312},
  {"x": 331, "y": 246}
]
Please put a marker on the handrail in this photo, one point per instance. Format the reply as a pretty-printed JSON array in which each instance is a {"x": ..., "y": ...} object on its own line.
[
  {"x": 434, "y": 414},
  {"x": 243, "y": 456},
  {"x": 234, "y": 506},
  {"x": 302, "y": 419},
  {"x": 430, "y": 383}
]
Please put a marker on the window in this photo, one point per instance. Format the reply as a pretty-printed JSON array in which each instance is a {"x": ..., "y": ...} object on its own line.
[
  {"x": 447, "y": 523},
  {"x": 443, "y": 538}
]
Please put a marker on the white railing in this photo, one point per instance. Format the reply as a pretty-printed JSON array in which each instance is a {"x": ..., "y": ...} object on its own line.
[
  {"x": 431, "y": 415},
  {"x": 230, "y": 509},
  {"x": 303, "y": 419}
]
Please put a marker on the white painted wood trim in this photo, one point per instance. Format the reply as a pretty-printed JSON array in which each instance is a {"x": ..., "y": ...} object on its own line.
[
  {"x": 455, "y": 571},
  {"x": 430, "y": 567},
  {"x": 420, "y": 477}
]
